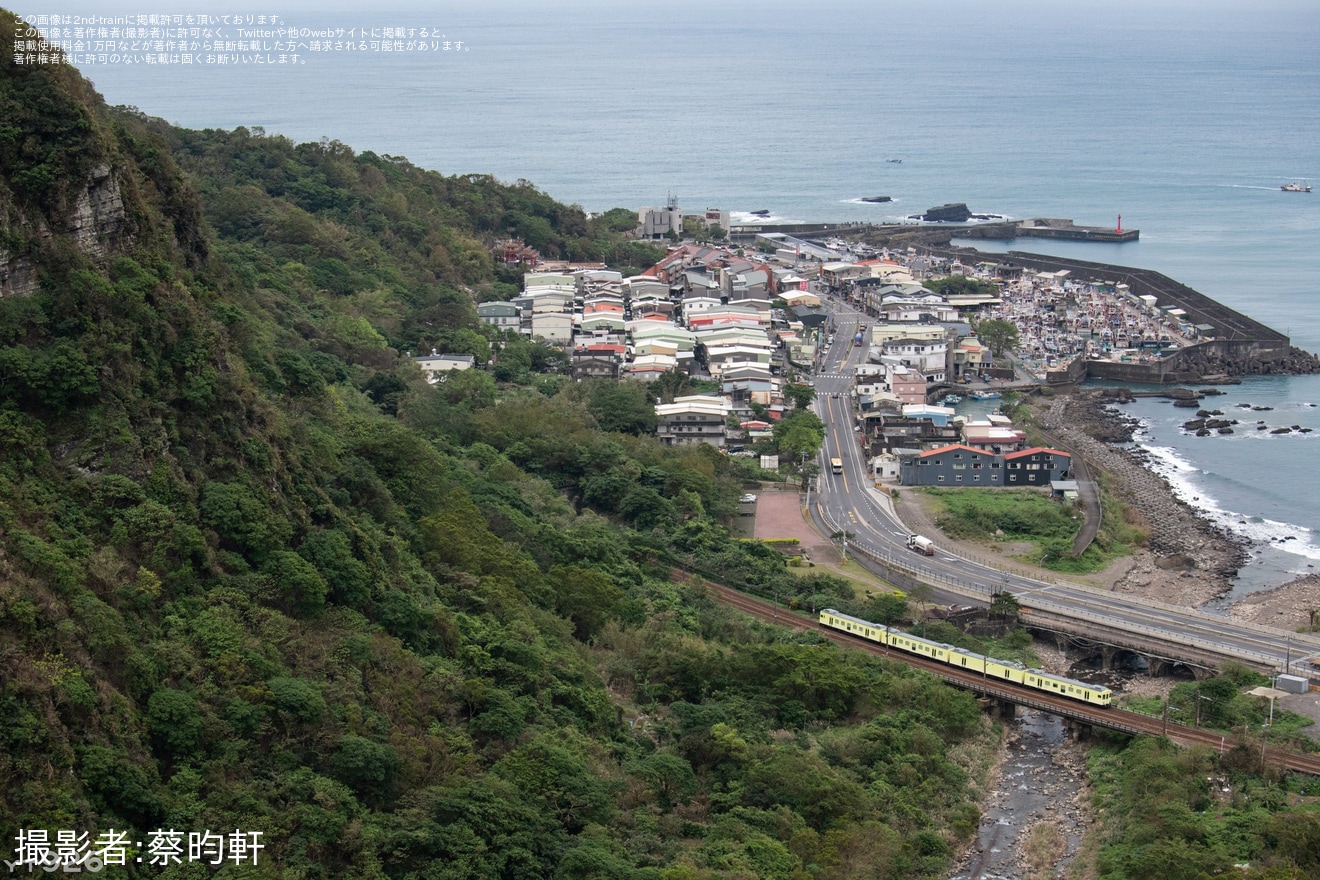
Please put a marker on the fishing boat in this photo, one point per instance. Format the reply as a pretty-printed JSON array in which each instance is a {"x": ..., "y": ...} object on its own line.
[
  {"x": 1297, "y": 186},
  {"x": 952, "y": 400},
  {"x": 984, "y": 395}
]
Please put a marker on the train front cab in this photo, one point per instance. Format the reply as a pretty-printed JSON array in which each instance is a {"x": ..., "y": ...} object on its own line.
[
  {"x": 1076, "y": 690},
  {"x": 854, "y": 625}
]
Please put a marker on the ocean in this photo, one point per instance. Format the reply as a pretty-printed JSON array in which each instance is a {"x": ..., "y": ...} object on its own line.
[{"x": 1183, "y": 117}]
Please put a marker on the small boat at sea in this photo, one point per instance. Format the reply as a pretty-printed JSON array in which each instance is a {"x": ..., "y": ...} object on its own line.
[
  {"x": 895, "y": 161},
  {"x": 952, "y": 399},
  {"x": 984, "y": 395},
  {"x": 761, "y": 213},
  {"x": 1297, "y": 186}
]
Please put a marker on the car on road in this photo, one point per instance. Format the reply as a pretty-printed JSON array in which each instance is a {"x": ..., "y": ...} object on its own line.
[{"x": 749, "y": 498}]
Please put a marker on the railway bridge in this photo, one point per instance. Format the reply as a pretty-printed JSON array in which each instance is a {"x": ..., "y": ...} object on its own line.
[{"x": 1004, "y": 697}]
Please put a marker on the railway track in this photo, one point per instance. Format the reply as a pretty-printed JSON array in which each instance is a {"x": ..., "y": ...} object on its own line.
[{"x": 1109, "y": 718}]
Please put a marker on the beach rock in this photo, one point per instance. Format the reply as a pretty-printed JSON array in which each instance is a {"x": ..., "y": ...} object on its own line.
[
  {"x": 1281, "y": 431},
  {"x": 955, "y": 212},
  {"x": 1226, "y": 430}
]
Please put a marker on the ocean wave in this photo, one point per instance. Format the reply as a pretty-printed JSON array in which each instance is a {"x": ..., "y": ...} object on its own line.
[
  {"x": 861, "y": 200},
  {"x": 744, "y": 218},
  {"x": 1181, "y": 476}
]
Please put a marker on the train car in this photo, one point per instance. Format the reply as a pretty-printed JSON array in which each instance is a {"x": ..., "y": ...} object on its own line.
[
  {"x": 875, "y": 632},
  {"x": 1008, "y": 670},
  {"x": 1077, "y": 690},
  {"x": 896, "y": 638}
]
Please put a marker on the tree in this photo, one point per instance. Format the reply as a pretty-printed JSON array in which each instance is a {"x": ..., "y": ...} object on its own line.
[
  {"x": 888, "y": 608},
  {"x": 962, "y": 285},
  {"x": 1000, "y": 336},
  {"x": 672, "y": 383},
  {"x": 801, "y": 395},
  {"x": 1004, "y": 604},
  {"x": 623, "y": 407},
  {"x": 669, "y": 777}
]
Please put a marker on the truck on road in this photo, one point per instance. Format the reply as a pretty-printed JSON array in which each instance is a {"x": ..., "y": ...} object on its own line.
[{"x": 921, "y": 544}]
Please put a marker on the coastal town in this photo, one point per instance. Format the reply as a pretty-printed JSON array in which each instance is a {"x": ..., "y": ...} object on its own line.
[{"x": 747, "y": 314}]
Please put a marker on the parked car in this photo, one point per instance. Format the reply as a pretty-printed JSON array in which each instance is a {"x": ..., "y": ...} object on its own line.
[{"x": 749, "y": 498}]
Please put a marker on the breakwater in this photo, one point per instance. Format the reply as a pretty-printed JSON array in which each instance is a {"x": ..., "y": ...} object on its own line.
[{"x": 1236, "y": 344}]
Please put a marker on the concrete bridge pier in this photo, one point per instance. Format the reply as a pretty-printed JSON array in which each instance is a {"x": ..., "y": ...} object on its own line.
[
  {"x": 1005, "y": 710},
  {"x": 1079, "y": 731}
]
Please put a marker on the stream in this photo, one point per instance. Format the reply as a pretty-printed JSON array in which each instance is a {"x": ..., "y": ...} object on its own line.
[{"x": 1039, "y": 783}]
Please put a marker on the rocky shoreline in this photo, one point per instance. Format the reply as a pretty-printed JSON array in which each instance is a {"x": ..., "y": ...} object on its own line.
[{"x": 1189, "y": 560}]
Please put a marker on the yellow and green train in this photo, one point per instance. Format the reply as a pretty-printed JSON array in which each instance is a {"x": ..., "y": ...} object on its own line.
[{"x": 1008, "y": 670}]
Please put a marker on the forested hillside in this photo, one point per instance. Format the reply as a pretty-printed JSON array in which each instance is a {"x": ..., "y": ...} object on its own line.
[{"x": 256, "y": 574}]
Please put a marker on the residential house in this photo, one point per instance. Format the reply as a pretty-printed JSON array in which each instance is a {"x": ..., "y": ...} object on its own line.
[
  {"x": 696, "y": 418},
  {"x": 501, "y": 314},
  {"x": 434, "y": 366},
  {"x": 961, "y": 465},
  {"x": 907, "y": 384}
]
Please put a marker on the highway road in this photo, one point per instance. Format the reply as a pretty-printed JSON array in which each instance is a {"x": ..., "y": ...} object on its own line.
[{"x": 849, "y": 502}]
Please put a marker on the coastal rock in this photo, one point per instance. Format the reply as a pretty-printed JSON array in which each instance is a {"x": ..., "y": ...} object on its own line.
[
  {"x": 1281, "y": 431},
  {"x": 878, "y": 200},
  {"x": 955, "y": 212},
  {"x": 1188, "y": 403},
  {"x": 1176, "y": 529}
]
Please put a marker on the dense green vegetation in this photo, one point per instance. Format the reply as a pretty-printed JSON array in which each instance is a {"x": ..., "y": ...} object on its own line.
[
  {"x": 255, "y": 573},
  {"x": 961, "y": 285},
  {"x": 1175, "y": 814}
]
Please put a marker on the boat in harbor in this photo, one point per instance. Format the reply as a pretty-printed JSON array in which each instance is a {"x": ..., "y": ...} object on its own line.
[
  {"x": 984, "y": 395},
  {"x": 1297, "y": 186},
  {"x": 951, "y": 400}
]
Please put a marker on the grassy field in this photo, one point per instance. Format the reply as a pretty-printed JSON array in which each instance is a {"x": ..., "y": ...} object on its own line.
[{"x": 1025, "y": 515}]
